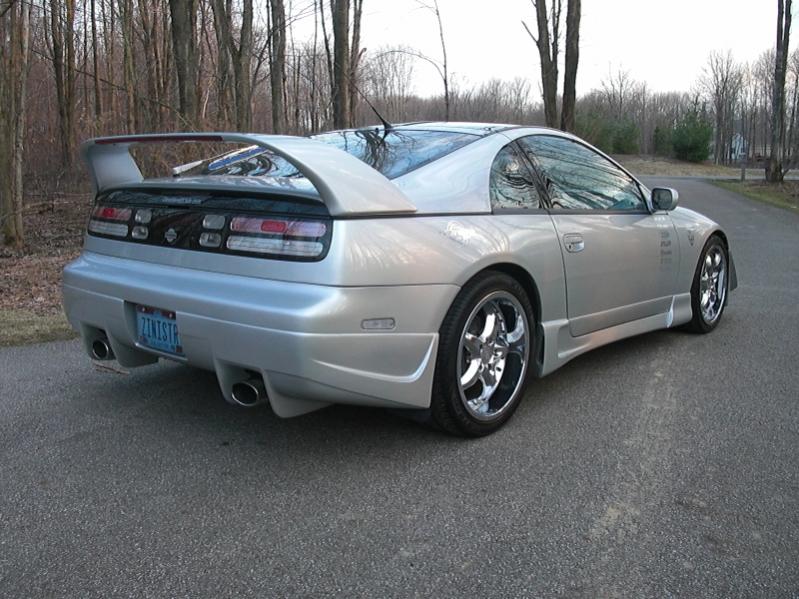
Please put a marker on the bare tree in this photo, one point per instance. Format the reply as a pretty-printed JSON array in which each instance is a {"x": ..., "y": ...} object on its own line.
[
  {"x": 774, "y": 167},
  {"x": 238, "y": 53},
  {"x": 98, "y": 101},
  {"x": 443, "y": 71},
  {"x": 62, "y": 48},
  {"x": 15, "y": 26},
  {"x": 617, "y": 89},
  {"x": 548, "y": 42},
  {"x": 389, "y": 75},
  {"x": 341, "y": 63},
  {"x": 790, "y": 141},
  {"x": 184, "y": 41},
  {"x": 356, "y": 54},
  {"x": 722, "y": 80},
  {"x": 277, "y": 67},
  {"x": 573, "y": 10}
]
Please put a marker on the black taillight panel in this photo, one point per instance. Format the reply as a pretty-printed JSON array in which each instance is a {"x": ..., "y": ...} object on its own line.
[{"x": 288, "y": 234}]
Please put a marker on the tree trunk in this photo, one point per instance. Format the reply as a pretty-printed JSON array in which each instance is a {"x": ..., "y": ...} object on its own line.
[
  {"x": 98, "y": 99},
  {"x": 238, "y": 55},
  {"x": 572, "y": 58},
  {"x": 355, "y": 59},
  {"x": 774, "y": 167},
  {"x": 548, "y": 55},
  {"x": 15, "y": 27},
  {"x": 223, "y": 66},
  {"x": 129, "y": 67},
  {"x": 277, "y": 68},
  {"x": 184, "y": 41},
  {"x": 444, "y": 62},
  {"x": 62, "y": 24},
  {"x": 341, "y": 63},
  {"x": 241, "y": 68}
]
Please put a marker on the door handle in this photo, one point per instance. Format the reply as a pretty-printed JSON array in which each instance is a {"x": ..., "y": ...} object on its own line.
[{"x": 574, "y": 242}]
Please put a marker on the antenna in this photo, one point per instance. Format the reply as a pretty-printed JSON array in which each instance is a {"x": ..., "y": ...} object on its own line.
[{"x": 386, "y": 125}]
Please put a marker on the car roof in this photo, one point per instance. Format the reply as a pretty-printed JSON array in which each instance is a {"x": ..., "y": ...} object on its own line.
[
  {"x": 481, "y": 129},
  {"x": 473, "y": 128}
]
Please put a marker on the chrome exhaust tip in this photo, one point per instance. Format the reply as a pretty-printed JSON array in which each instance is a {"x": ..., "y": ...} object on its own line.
[
  {"x": 101, "y": 350},
  {"x": 248, "y": 393}
]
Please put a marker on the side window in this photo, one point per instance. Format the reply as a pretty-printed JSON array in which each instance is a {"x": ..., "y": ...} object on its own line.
[
  {"x": 512, "y": 184},
  {"x": 577, "y": 178}
]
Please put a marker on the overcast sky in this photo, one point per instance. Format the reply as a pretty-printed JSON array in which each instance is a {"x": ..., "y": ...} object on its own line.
[{"x": 662, "y": 42}]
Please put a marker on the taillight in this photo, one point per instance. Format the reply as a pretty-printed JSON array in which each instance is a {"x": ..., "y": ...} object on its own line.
[
  {"x": 300, "y": 237},
  {"x": 108, "y": 220},
  {"x": 112, "y": 213},
  {"x": 278, "y": 236}
]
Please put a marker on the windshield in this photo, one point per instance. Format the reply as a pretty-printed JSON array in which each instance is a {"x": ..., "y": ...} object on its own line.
[{"x": 393, "y": 154}]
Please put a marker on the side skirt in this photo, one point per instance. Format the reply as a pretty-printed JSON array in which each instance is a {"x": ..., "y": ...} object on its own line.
[{"x": 560, "y": 346}]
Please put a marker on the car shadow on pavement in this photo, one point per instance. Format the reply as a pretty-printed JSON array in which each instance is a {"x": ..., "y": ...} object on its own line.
[{"x": 178, "y": 397}]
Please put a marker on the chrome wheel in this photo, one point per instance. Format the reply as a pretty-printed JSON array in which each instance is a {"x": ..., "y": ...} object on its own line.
[
  {"x": 713, "y": 284},
  {"x": 493, "y": 355}
]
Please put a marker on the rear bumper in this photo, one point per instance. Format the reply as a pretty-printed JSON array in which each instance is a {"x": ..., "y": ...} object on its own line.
[{"x": 306, "y": 341}]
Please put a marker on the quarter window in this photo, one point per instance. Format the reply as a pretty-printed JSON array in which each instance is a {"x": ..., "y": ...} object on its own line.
[
  {"x": 578, "y": 178},
  {"x": 512, "y": 184}
]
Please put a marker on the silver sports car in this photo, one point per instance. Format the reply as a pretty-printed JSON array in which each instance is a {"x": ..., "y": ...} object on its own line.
[{"x": 434, "y": 267}]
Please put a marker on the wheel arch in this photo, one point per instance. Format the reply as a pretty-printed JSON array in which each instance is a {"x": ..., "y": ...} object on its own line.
[
  {"x": 722, "y": 235},
  {"x": 522, "y": 276}
]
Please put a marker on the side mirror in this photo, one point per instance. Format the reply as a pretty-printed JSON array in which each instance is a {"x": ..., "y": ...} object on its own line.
[{"x": 664, "y": 198}]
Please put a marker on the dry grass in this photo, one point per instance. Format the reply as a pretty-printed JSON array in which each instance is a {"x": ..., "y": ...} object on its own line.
[
  {"x": 640, "y": 164},
  {"x": 18, "y": 327},
  {"x": 30, "y": 277},
  {"x": 785, "y": 194}
]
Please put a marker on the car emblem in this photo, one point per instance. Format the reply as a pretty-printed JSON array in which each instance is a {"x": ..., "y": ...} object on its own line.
[
  {"x": 171, "y": 235},
  {"x": 691, "y": 237}
]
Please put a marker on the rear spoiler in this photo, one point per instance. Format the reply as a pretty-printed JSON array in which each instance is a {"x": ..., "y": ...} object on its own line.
[{"x": 346, "y": 185}]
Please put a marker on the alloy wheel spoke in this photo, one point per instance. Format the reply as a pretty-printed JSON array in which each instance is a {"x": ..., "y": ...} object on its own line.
[
  {"x": 488, "y": 379},
  {"x": 469, "y": 378},
  {"x": 501, "y": 349},
  {"x": 517, "y": 333},
  {"x": 472, "y": 344},
  {"x": 489, "y": 328}
]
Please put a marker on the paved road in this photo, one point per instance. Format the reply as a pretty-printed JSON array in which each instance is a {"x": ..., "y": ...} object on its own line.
[{"x": 666, "y": 465}]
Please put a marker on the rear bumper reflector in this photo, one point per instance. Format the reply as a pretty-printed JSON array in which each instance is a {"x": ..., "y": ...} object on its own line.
[
  {"x": 266, "y": 245},
  {"x": 103, "y": 228}
]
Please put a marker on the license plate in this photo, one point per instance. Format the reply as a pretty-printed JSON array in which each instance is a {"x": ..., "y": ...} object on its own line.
[{"x": 158, "y": 329}]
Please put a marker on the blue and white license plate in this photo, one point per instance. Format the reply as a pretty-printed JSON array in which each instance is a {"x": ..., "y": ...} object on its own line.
[{"x": 158, "y": 329}]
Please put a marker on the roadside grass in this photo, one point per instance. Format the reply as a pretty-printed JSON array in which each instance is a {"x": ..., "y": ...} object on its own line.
[
  {"x": 19, "y": 327},
  {"x": 785, "y": 194},
  {"x": 30, "y": 276},
  {"x": 659, "y": 166}
]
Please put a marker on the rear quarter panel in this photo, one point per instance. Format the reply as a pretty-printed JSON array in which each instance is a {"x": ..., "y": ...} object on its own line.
[{"x": 451, "y": 250}]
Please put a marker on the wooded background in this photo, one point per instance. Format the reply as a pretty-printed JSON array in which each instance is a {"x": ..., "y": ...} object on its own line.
[{"x": 74, "y": 69}]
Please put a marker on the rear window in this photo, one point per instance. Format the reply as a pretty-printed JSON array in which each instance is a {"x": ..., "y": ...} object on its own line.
[
  {"x": 397, "y": 152},
  {"x": 393, "y": 154}
]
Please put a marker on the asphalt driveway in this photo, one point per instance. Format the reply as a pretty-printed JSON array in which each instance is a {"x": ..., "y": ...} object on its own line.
[{"x": 665, "y": 465}]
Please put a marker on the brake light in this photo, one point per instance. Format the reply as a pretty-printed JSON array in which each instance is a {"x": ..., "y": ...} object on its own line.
[
  {"x": 111, "y": 213},
  {"x": 296, "y": 228},
  {"x": 108, "y": 220}
]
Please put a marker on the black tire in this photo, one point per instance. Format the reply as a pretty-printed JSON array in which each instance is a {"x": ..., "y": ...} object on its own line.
[
  {"x": 448, "y": 410},
  {"x": 699, "y": 323}
]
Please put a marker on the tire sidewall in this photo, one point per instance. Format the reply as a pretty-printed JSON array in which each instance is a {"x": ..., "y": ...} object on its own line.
[
  {"x": 699, "y": 323},
  {"x": 446, "y": 405}
]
